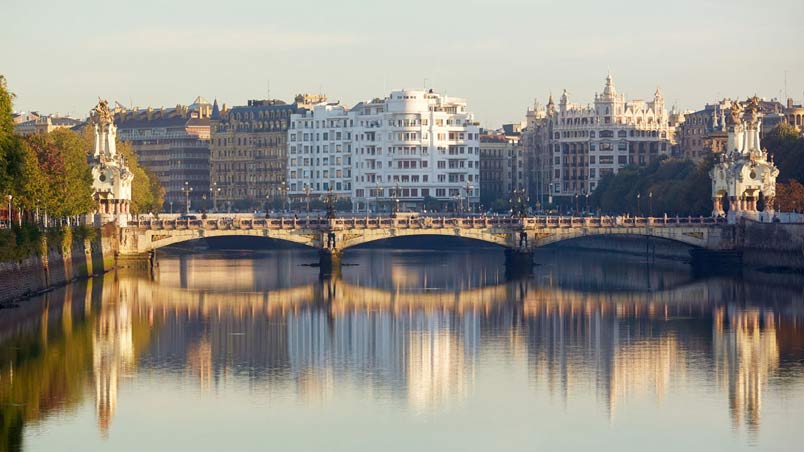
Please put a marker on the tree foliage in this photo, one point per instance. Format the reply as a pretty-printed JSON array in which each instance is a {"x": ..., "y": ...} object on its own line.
[
  {"x": 678, "y": 187},
  {"x": 62, "y": 181},
  {"x": 786, "y": 146},
  {"x": 790, "y": 196}
]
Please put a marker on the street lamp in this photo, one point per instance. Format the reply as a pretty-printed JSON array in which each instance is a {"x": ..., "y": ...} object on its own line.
[
  {"x": 650, "y": 201},
  {"x": 9, "y": 210},
  {"x": 468, "y": 187},
  {"x": 204, "y": 203},
  {"x": 639, "y": 195},
  {"x": 171, "y": 207},
  {"x": 187, "y": 189},
  {"x": 284, "y": 190},
  {"x": 397, "y": 193},
  {"x": 330, "y": 204},
  {"x": 214, "y": 190},
  {"x": 587, "y": 203}
]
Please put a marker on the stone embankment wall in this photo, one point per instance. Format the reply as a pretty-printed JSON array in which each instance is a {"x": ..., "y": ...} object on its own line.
[
  {"x": 776, "y": 245},
  {"x": 60, "y": 264},
  {"x": 764, "y": 245}
]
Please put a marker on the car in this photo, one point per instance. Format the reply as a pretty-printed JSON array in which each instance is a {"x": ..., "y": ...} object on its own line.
[{"x": 187, "y": 217}]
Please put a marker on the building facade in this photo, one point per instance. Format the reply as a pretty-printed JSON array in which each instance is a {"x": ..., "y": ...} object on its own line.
[
  {"x": 397, "y": 152},
  {"x": 502, "y": 167},
  {"x": 249, "y": 152},
  {"x": 537, "y": 155},
  {"x": 590, "y": 141},
  {"x": 44, "y": 124},
  {"x": 173, "y": 144},
  {"x": 704, "y": 132}
]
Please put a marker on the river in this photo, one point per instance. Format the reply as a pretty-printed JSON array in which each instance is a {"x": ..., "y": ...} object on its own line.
[{"x": 406, "y": 350}]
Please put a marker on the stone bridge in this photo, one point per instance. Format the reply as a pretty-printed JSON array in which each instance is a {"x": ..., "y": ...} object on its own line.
[{"x": 332, "y": 236}]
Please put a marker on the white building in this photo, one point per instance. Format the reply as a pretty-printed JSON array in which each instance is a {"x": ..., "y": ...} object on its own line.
[
  {"x": 403, "y": 149},
  {"x": 590, "y": 141}
]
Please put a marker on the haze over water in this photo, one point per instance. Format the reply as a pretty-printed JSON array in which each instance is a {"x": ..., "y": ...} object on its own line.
[{"x": 408, "y": 350}]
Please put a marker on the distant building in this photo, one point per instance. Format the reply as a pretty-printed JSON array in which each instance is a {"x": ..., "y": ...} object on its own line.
[
  {"x": 249, "y": 151},
  {"x": 406, "y": 148},
  {"x": 538, "y": 155},
  {"x": 583, "y": 143},
  {"x": 174, "y": 144},
  {"x": 43, "y": 124},
  {"x": 794, "y": 115},
  {"x": 502, "y": 165},
  {"x": 705, "y": 131}
]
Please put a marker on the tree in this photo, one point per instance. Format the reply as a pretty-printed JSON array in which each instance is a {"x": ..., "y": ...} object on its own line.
[
  {"x": 62, "y": 183},
  {"x": 790, "y": 196},
  {"x": 787, "y": 148},
  {"x": 679, "y": 187}
]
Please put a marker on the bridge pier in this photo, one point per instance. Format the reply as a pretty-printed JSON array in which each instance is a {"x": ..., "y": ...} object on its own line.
[
  {"x": 329, "y": 262},
  {"x": 518, "y": 262}
]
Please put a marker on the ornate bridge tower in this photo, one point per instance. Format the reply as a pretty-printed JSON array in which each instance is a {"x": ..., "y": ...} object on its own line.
[
  {"x": 111, "y": 178},
  {"x": 744, "y": 170}
]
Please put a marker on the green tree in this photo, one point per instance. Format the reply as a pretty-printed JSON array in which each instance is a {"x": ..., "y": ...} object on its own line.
[
  {"x": 786, "y": 146},
  {"x": 62, "y": 184}
]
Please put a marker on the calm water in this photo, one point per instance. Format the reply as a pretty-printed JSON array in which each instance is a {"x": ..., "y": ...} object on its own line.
[{"x": 408, "y": 350}]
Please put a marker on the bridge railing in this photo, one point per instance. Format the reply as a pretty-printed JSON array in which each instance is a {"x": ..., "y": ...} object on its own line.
[{"x": 478, "y": 222}]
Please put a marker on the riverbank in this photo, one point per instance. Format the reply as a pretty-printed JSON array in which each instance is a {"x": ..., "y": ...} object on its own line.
[{"x": 55, "y": 259}]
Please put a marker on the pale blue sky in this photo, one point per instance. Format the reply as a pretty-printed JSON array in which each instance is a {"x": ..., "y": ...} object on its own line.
[{"x": 59, "y": 56}]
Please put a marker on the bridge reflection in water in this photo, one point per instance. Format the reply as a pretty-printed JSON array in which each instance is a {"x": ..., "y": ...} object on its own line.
[{"x": 417, "y": 337}]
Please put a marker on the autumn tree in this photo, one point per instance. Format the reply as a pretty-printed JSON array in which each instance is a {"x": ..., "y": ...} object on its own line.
[{"x": 790, "y": 196}]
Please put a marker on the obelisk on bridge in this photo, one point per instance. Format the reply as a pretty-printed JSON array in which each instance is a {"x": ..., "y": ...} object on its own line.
[{"x": 111, "y": 178}]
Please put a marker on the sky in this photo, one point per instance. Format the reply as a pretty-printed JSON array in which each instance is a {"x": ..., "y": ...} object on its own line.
[{"x": 59, "y": 57}]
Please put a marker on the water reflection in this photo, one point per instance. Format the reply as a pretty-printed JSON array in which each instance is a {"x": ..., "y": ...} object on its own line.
[{"x": 416, "y": 330}]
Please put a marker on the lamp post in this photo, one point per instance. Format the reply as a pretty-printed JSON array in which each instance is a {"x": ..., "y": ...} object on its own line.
[
  {"x": 187, "y": 189},
  {"x": 468, "y": 187},
  {"x": 284, "y": 190},
  {"x": 204, "y": 203},
  {"x": 378, "y": 195},
  {"x": 576, "y": 202},
  {"x": 650, "y": 204},
  {"x": 397, "y": 193},
  {"x": 9, "y": 197},
  {"x": 330, "y": 204},
  {"x": 587, "y": 203},
  {"x": 171, "y": 207},
  {"x": 214, "y": 190},
  {"x": 639, "y": 195}
]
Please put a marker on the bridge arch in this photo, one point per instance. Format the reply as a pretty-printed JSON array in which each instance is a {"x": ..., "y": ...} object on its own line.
[
  {"x": 157, "y": 239},
  {"x": 694, "y": 237},
  {"x": 348, "y": 240}
]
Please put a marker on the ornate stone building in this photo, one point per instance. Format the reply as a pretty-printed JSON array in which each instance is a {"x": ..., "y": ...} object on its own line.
[
  {"x": 174, "y": 144},
  {"x": 591, "y": 141},
  {"x": 249, "y": 152},
  {"x": 744, "y": 171}
]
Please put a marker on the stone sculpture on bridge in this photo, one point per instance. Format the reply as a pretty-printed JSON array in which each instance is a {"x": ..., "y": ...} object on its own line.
[
  {"x": 744, "y": 170},
  {"x": 111, "y": 178}
]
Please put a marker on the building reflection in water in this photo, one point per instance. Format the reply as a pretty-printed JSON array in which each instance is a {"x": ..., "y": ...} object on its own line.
[
  {"x": 418, "y": 343},
  {"x": 746, "y": 353}
]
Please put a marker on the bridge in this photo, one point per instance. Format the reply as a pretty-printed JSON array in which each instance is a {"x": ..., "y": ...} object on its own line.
[{"x": 332, "y": 236}]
